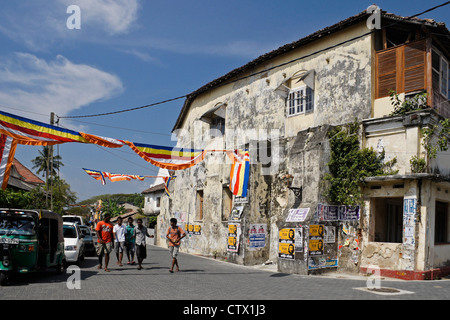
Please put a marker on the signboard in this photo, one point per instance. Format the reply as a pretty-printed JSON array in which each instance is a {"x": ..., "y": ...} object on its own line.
[
  {"x": 297, "y": 215},
  {"x": 257, "y": 236}
]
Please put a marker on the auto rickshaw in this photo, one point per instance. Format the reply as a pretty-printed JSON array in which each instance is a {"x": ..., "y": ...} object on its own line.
[{"x": 30, "y": 240}]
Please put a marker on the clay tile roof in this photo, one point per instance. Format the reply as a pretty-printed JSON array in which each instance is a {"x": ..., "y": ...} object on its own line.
[
  {"x": 26, "y": 174},
  {"x": 158, "y": 187}
]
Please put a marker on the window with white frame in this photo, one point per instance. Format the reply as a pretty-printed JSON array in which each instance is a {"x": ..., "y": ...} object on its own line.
[
  {"x": 440, "y": 73},
  {"x": 300, "y": 100}
]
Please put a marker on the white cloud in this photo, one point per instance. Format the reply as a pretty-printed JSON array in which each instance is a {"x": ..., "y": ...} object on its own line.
[
  {"x": 33, "y": 84},
  {"x": 113, "y": 16}
]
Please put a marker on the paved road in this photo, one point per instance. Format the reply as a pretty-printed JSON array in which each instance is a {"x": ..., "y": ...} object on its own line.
[{"x": 207, "y": 279}]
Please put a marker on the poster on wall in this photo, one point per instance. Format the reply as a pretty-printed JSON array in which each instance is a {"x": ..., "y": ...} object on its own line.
[
  {"x": 329, "y": 234},
  {"x": 298, "y": 240},
  {"x": 286, "y": 243},
  {"x": 348, "y": 213},
  {"x": 257, "y": 236},
  {"x": 315, "y": 245},
  {"x": 236, "y": 213},
  {"x": 234, "y": 232},
  {"x": 194, "y": 229},
  {"x": 297, "y": 215},
  {"x": 409, "y": 221}
]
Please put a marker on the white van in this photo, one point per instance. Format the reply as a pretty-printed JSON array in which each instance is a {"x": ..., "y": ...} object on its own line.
[{"x": 74, "y": 219}]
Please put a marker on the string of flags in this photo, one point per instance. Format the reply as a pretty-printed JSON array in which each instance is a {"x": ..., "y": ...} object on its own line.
[{"x": 16, "y": 130}]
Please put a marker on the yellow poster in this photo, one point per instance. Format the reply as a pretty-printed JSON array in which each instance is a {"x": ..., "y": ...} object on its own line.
[
  {"x": 287, "y": 235},
  {"x": 286, "y": 250},
  {"x": 316, "y": 230},
  {"x": 315, "y": 247}
]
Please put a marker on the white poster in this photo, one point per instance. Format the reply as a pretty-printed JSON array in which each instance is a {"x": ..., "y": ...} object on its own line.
[{"x": 257, "y": 236}]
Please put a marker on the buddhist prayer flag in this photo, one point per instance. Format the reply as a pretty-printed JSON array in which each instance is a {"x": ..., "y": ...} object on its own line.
[
  {"x": 166, "y": 183},
  {"x": 7, "y": 150},
  {"x": 170, "y": 158},
  {"x": 113, "y": 177},
  {"x": 97, "y": 175},
  {"x": 19, "y": 130},
  {"x": 239, "y": 173}
]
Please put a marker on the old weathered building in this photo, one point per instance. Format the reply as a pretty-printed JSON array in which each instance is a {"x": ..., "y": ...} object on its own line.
[{"x": 282, "y": 107}]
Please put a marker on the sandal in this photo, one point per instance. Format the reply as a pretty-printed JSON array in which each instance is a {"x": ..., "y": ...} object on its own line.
[{"x": 107, "y": 270}]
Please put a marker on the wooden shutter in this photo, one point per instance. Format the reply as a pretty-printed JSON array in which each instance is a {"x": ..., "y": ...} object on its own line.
[
  {"x": 401, "y": 68},
  {"x": 386, "y": 62},
  {"x": 414, "y": 78}
]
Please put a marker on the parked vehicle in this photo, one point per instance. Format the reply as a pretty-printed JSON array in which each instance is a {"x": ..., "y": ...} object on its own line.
[
  {"x": 89, "y": 244},
  {"x": 73, "y": 242},
  {"x": 76, "y": 219},
  {"x": 30, "y": 240}
]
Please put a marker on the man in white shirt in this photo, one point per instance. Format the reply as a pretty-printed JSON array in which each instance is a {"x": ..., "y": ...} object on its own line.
[{"x": 119, "y": 231}]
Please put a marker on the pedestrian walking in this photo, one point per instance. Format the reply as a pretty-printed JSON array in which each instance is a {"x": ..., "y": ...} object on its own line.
[
  {"x": 141, "y": 247},
  {"x": 119, "y": 232},
  {"x": 174, "y": 235},
  {"x": 130, "y": 241},
  {"x": 105, "y": 240}
]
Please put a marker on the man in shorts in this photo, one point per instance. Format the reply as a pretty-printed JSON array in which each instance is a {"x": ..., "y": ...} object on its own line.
[
  {"x": 119, "y": 239},
  {"x": 174, "y": 235},
  {"x": 105, "y": 240},
  {"x": 141, "y": 249}
]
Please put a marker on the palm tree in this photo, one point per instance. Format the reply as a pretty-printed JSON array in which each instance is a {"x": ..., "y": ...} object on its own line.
[{"x": 46, "y": 162}]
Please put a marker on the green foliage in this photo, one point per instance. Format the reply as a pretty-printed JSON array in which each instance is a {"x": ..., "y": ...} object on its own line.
[
  {"x": 418, "y": 102},
  {"x": 152, "y": 221},
  {"x": 418, "y": 165},
  {"x": 136, "y": 199},
  {"x": 349, "y": 165},
  {"x": 113, "y": 208},
  {"x": 442, "y": 133},
  {"x": 15, "y": 199},
  {"x": 35, "y": 199}
]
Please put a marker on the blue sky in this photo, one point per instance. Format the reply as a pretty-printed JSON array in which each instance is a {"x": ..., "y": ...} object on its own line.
[{"x": 130, "y": 53}]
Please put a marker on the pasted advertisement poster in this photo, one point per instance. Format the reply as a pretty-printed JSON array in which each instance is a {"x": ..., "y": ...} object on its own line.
[
  {"x": 329, "y": 234},
  {"x": 315, "y": 245},
  {"x": 286, "y": 243},
  {"x": 409, "y": 231},
  {"x": 257, "y": 236},
  {"x": 194, "y": 229},
  {"x": 409, "y": 221},
  {"x": 234, "y": 233},
  {"x": 236, "y": 213},
  {"x": 297, "y": 215}
]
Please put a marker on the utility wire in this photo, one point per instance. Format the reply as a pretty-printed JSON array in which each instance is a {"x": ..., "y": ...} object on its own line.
[{"x": 256, "y": 73}]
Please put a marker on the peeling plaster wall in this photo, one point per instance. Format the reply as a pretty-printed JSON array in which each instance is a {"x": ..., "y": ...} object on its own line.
[{"x": 255, "y": 112}]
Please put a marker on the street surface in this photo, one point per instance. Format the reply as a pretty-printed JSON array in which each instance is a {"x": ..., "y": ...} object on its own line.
[{"x": 201, "y": 279}]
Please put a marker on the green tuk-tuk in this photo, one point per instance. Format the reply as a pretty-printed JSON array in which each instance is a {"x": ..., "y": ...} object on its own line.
[{"x": 30, "y": 240}]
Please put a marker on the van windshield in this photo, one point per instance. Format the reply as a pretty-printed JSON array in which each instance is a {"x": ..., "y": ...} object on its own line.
[
  {"x": 16, "y": 224},
  {"x": 72, "y": 219}
]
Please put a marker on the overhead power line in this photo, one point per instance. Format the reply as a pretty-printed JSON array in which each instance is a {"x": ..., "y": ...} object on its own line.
[{"x": 256, "y": 73}]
